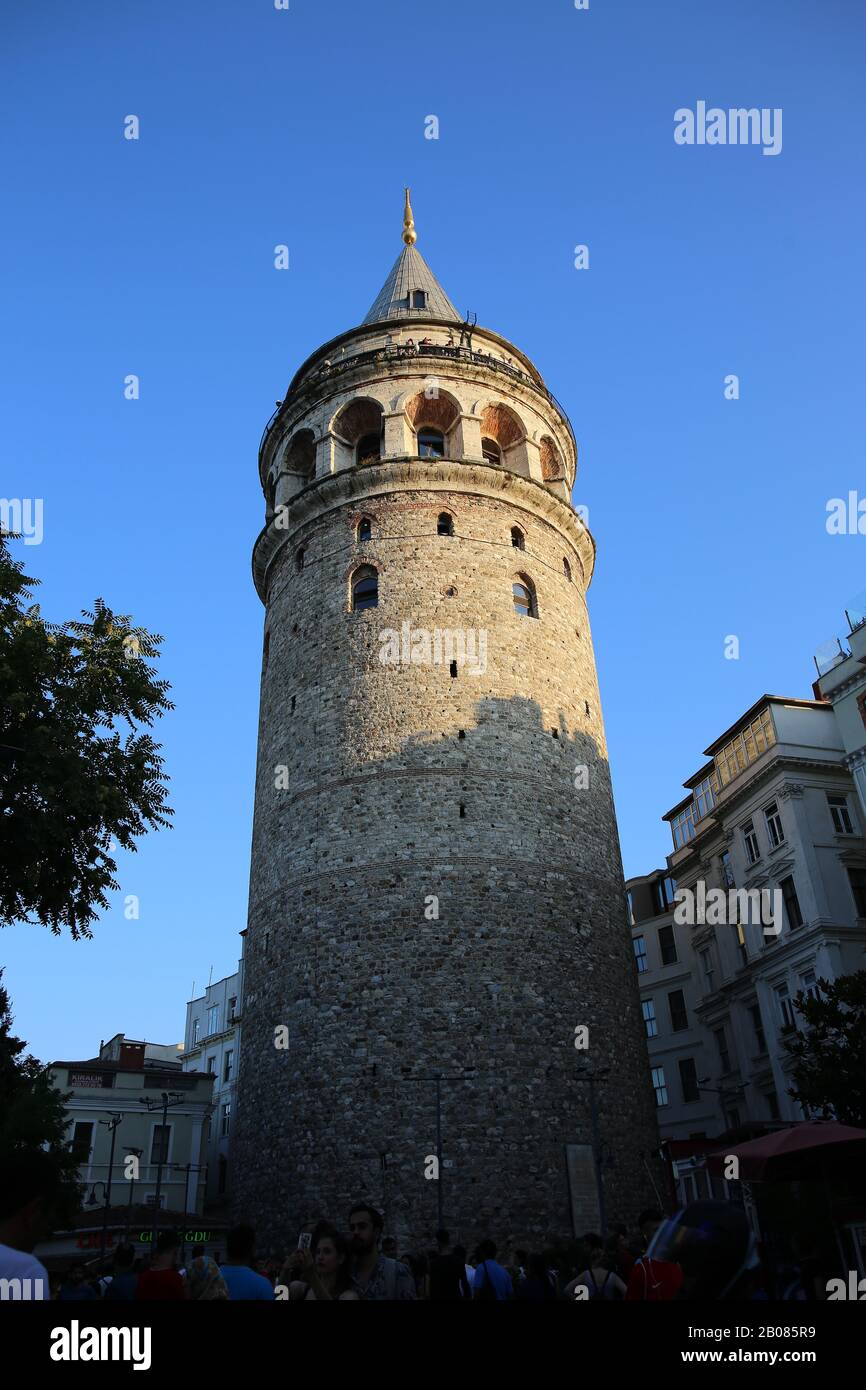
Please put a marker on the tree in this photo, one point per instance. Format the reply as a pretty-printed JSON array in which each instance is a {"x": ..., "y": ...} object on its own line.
[
  {"x": 830, "y": 1052},
  {"x": 32, "y": 1114},
  {"x": 71, "y": 784}
]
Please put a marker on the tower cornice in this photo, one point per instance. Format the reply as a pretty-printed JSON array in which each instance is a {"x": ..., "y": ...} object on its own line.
[{"x": 364, "y": 483}]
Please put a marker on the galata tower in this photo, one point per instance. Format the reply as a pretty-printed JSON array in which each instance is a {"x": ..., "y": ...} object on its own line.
[{"x": 441, "y": 1012}]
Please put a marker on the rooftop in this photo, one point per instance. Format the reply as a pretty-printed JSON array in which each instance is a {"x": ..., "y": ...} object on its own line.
[{"x": 411, "y": 290}]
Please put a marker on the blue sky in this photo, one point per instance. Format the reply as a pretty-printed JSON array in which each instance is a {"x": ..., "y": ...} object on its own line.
[{"x": 260, "y": 127}]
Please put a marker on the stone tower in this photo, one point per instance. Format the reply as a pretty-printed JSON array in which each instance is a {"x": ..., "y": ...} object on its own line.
[{"x": 436, "y": 886}]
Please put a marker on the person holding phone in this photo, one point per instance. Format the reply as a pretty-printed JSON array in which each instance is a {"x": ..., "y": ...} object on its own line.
[{"x": 320, "y": 1267}]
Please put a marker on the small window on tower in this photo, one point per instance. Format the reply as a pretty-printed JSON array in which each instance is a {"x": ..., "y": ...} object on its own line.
[
  {"x": 566, "y": 569},
  {"x": 419, "y": 299},
  {"x": 518, "y": 540},
  {"x": 365, "y": 529},
  {"x": 491, "y": 451},
  {"x": 445, "y": 525},
  {"x": 365, "y": 588},
  {"x": 524, "y": 599}
]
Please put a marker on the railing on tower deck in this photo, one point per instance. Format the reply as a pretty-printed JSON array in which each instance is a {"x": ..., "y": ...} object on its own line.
[{"x": 398, "y": 352}]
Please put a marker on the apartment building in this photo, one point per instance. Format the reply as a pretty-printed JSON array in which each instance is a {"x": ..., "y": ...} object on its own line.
[
  {"x": 212, "y": 1046},
  {"x": 842, "y": 681},
  {"x": 773, "y": 812}
]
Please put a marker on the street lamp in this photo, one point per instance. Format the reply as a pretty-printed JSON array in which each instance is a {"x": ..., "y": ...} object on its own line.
[
  {"x": 131, "y": 1153},
  {"x": 169, "y": 1098},
  {"x": 739, "y": 1091},
  {"x": 438, "y": 1078},
  {"x": 111, "y": 1126},
  {"x": 186, "y": 1168}
]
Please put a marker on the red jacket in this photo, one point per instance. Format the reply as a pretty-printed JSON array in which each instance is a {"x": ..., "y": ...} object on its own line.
[{"x": 653, "y": 1281}]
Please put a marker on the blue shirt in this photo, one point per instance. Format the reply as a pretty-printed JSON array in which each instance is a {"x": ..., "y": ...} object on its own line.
[
  {"x": 243, "y": 1282},
  {"x": 498, "y": 1277}
]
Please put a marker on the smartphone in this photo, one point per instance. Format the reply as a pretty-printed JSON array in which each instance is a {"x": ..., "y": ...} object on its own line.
[{"x": 304, "y": 1240}]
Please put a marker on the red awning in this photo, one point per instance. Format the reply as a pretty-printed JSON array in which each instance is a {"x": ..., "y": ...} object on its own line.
[{"x": 813, "y": 1149}]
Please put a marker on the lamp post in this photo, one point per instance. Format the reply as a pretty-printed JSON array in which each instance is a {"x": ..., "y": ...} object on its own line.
[
  {"x": 169, "y": 1098},
  {"x": 186, "y": 1169},
  {"x": 131, "y": 1153},
  {"x": 111, "y": 1126},
  {"x": 437, "y": 1078}
]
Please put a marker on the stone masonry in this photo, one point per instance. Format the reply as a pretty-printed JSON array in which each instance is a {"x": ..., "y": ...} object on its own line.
[{"x": 436, "y": 882}]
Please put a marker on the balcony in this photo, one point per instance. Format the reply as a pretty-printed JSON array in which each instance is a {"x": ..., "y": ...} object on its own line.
[{"x": 396, "y": 352}]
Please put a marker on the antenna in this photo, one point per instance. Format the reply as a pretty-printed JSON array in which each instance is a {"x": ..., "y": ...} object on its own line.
[{"x": 210, "y": 977}]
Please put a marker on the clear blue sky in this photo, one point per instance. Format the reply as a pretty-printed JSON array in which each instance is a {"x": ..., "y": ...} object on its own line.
[{"x": 261, "y": 127}]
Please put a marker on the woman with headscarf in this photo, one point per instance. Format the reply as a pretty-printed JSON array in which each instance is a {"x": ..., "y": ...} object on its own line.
[{"x": 204, "y": 1283}]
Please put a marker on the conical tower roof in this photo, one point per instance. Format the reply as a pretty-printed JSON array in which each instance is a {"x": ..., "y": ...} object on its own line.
[{"x": 410, "y": 278}]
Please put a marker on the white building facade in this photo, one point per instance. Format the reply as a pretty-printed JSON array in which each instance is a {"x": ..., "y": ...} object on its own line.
[
  {"x": 774, "y": 811},
  {"x": 212, "y": 1046},
  {"x": 842, "y": 681}
]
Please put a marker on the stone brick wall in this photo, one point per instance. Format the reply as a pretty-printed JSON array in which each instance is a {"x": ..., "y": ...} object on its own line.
[{"x": 381, "y": 786}]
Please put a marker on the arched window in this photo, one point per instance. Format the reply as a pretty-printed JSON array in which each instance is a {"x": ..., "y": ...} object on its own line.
[
  {"x": 524, "y": 598},
  {"x": 518, "y": 539},
  {"x": 299, "y": 560},
  {"x": 369, "y": 448},
  {"x": 431, "y": 444},
  {"x": 445, "y": 525},
  {"x": 365, "y": 529},
  {"x": 491, "y": 451},
  {"x": 301, "y": 455},
  {"x": 365, "y": 588},
  {"x": 566, "y": 569}
]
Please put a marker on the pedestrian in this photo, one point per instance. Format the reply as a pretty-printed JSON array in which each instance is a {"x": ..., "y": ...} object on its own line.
[
  {"x": 715, "y": 1251},
  {"x": 468, "y": 1270},
  {"x": 448, "y": 1280},
  {"x": 123, "y": 1285},
  {"x": 490, "y": 1280},
  {"x": 375, "y": 1276},
  {"x": 323, "y": 1274},
  {"x": 28, "y": 1188},
  {"x": 76, "y": 1286},
  {"x": 418, "y": 1268},
  {"x": 599, "y": 1280},
  {"x": 624, "y": 1255},
  {"x": 204, "y": 1281},
  {"x": 535, "y": 1286},
  {"x": 240, "y": 1277},
  {"x": 652, "y": 1280},
  {"x": 162, "y": 1280}
]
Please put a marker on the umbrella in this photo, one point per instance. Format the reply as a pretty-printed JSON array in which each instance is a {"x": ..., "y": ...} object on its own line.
[{"x": 805, "y": 1150}]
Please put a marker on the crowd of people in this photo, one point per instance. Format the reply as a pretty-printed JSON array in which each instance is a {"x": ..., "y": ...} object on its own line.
[
  {"x": 706, "y": 1251},
  {"x": 362, "y": 1264}
]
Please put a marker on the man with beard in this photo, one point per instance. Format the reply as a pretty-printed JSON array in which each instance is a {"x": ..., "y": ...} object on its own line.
[{"x": 374, "y": 1276}]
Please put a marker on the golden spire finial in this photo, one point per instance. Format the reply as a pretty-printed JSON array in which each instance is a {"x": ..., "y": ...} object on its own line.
[{"x": 409, "y": 235}]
